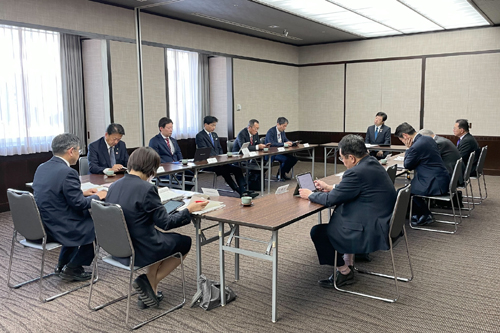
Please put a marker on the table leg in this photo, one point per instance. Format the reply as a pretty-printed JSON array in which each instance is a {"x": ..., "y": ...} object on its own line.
[
  {"x": 236, "y": 255},
  {"x": 196, "y": 180},
  {"x": 221, "y": 264},
  {"x": 275, "y": 273},
  {"x": 325, "y": 157},
  {"x": 335, "y": 161},
  {"x": 269, "y": 175},
  {"x": 262, "y": 180},
  {"x": 197, "y": 225},
  {"x": 313, "y": 163},
  {"x": 183, "y": 180},
  {"x": 319, "y": 218}
]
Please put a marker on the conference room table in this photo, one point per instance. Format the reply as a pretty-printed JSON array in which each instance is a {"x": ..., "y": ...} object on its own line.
[{"x": 331, "y": 149}]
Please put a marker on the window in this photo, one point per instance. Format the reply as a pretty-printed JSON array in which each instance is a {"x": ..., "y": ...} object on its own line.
[
  {"x": 183, "y": 87},
  {"x": 31, "y": 106}
]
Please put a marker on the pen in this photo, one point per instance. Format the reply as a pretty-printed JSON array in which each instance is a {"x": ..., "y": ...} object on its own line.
[{"x": 198, "y": 201}]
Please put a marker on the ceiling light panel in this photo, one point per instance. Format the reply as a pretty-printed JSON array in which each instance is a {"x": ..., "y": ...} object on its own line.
[
  {"x": 450, "y": 14},
  {"x": 390, "y": 13},
  {"x": 332, "y": 15}
]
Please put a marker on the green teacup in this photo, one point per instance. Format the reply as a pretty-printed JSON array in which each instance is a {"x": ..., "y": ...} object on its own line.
[
  {"x": 246, "y": 200},
  {"x": 229, "y": 154},
  {"x": 109, "y": 173},
  {"x": 383, "y": 161},
  {"x": 184, "y": 161},
  {"x": 266, "y": 149},
  {"x": 285, "y": 145}
]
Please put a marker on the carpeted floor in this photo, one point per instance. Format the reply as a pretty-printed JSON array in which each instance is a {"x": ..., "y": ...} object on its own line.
[{"x": 455, "y": 288}]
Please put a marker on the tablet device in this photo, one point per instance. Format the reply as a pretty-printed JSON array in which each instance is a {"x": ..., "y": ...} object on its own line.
[
  {"x": 172, "y": 205},
  {"x": 305, "y": 180},
  {"x": 245, "y": 145},
  {"x": 295, "y": 143},
  {"x": 201, "y": 154}
]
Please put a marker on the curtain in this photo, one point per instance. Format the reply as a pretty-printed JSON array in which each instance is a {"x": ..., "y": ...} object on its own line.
[
  {"x": 203, "y": 86},
  {"x": 183, "y": 87},
  {"x": 72, "y": 87},
  {"x": 31, "y": 107}
]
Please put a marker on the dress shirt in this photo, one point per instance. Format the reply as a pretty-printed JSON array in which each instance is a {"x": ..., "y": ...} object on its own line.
[
  {"x": 279, "y": 134},
  {"x": 67, "y": 163},
  {"x": 169, "y": 143}
]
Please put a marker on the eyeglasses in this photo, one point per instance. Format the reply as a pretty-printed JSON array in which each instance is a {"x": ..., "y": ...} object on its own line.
[{"x": 341, "y": 159}]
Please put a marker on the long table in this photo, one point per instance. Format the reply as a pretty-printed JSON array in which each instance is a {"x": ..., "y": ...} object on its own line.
[
  {"x": 331, "y": 149},
  {"x": 271, "y": 213}
]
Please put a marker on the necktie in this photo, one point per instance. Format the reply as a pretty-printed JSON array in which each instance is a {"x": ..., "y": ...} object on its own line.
[
  {"x": 212, "y": 138},
  {"x": 376, "y": 132},
  {"x": 112, "y": 156},
  {"x": 279, "y": 136},
  {"x": 458, "y": 142},
  {"x": 251, "y": 140},
  {"x": 168, "y": 146}
]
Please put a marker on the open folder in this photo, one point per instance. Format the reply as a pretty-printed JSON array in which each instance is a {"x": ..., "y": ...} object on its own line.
[{"x": 211, "y": 206}]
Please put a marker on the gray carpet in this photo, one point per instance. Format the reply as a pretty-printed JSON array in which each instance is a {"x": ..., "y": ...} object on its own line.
[{"x": 455, "y": 288}]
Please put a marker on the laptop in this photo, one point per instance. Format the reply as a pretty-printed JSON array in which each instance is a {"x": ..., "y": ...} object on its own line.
[
  {"x": 245, "y": 145},
  {"x": 305, "y": 180},
  {"x": 201, "y": 154}
]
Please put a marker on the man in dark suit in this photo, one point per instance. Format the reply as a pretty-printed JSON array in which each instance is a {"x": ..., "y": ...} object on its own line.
[
  {"x": 208, "y": 138},
  {"x": 448, "y": 151},
  {"x": 277, "y": 138},
  {"x": 379, "y": 134},
  {"x": 249, "y": 134},
  {"x": 431, "y": 176},
  {"x": 64, "y": 208},
  {"x": 164, "y": 144},
  {"x": 466, "y": 143},
  {"x": 364, "y": 201},
  {"x": 109, "y": 152}
]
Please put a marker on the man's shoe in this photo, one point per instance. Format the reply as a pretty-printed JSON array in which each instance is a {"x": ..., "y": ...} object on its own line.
[
  {"x": 58, "y": 269},
  {"x": 328, "y": 283},
  {"x": 362, "y": 257},
  {"x": 142, "y": 305},
  {"x": 74, "y": 274},
  {"x": 343, "y": 280},
  {"x": 143, "y": 287},
  {"x": 283, "y": 177},
  {"x": 423, "y": 220},
  {"x": 251, "y": 194},
  {"x": 414, "y": 219}
]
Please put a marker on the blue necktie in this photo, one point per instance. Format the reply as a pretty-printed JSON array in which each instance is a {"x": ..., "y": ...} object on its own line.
[
  {"x": 112, "y": 156},
  {"x": 458, "y": 142},
  {"x": 376, "y": 132},
  {"x": 212, "y": 138}
]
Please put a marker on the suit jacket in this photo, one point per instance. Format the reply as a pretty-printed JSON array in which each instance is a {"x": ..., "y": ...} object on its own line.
[
  {"x": 243, "y": 137},
  {"x": 467, "y": 145},
  {"x": 431, "y": 176},
  {"x": 159, "y": 144},
  {"x": 203, "y": 141},
  {"x": 63, "y": 208},
  {"x": 272, "y": 137},
  {"x": 448, "y": 151},
  {"x": 383, "y": 138},
  {"x": 143, "y": 211},
  {"x": 364, "y": 202},
  {"x": 99, "y": 155}
]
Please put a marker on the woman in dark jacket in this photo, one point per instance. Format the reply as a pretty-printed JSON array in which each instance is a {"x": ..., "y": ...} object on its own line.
[{"x": 145, "y": 214}]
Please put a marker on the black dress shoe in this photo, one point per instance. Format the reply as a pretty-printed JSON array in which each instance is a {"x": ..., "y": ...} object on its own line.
[
  {"x": 423, "y": 220},
  {"x": 143, "y": 287},
  {"x": 142, "y": 305},
  {"x": 251, "y": 194},
  {"x": 74, "y": 274},
  {"x": 343, "y": 280},
  {"x": 283, "y": 177},
  {"x": 362, "y": 257},
  {"x": 328, "y": 283}
]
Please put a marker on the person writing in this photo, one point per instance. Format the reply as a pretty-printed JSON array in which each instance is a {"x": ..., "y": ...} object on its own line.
[
  {"x": 363, "y": 200},
  {"x": 145, "y": 214}
]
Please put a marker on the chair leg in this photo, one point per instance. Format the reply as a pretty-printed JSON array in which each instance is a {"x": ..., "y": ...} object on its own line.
[{"x": 439, "y": 221}]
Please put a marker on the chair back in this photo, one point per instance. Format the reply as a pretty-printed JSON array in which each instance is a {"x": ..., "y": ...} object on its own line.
[
  {"x": 468, "y": 168},
  {"x": 25, "y": 214},
  {"x": 391, "y": 171},
  {"x": 455, "y": 176},
  {"x": 111, "y": 229},
  {"x": 83, "y": 165},
  {"x": 230, "y": 144},
  {"x": 263, "y": 140},
  {"x": 480, "y": 163},
  {"x": 399, "y": 213}
]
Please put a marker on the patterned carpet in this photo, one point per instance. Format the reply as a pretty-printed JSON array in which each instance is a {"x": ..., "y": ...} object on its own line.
[{"x": 455, "y": 288}]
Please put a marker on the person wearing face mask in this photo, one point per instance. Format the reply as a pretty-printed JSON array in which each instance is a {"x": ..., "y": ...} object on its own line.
[
  {"x": 146, "y": 216},
  {"x": 109, "y": 152}
]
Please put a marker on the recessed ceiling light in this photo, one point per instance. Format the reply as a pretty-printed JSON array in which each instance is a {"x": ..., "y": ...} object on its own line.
[{"x": 274, "y": 26}]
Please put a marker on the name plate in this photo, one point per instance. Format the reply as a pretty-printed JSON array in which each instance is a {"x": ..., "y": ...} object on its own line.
[
  {"x": 306, "y": 145},
  {"x": 281, "y": 149},
  {"x": 160, "y": 169},
  {"x": 245, "y": 151},
  {"x": 211, "y": 160},
  {"x": 253, "y": 153},
  {"x": 211, "y": 192},
  {"x": 282, "y": 189}
]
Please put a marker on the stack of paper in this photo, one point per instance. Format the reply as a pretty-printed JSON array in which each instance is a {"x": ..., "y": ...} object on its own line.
[
  {"x": 167, "y": 194},
  {"x": 211, "y": 206},
  {"x": 88, "y": 185}
]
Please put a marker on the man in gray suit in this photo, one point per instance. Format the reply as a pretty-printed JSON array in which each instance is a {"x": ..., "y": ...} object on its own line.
[
  {"x": 364, "y": 201},
  {"x": 449, "y": 152}
]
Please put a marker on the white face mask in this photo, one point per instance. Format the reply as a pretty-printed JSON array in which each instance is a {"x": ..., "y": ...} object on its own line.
[{"x": 150, "y": 179}]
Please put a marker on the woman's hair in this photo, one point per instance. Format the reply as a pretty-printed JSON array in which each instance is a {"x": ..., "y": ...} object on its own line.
[{"x": 145, "y": 160}]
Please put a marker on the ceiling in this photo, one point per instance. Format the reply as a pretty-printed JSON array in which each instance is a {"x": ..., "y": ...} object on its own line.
[{"x": 258, "y": 20}]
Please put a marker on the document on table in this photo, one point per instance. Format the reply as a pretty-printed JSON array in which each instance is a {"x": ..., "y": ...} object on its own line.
[
  {"x": 369, "y": 145},
  {"x": 399, "y": 158},
  {"x": 88, "y": 185},
  {"x": 167, "y": 194},
  {"x": 211, "y": 206}
]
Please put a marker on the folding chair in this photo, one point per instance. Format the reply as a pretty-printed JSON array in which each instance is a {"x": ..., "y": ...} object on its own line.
[
  {"x": 392, "y": 170},
  {"x": 28, "y": 223},
  {"x": 113, "y": 237},
  {"x": 467, "y": 184},
  {"x": 479, "y": 175},
  {"x": 452, "y": 193},
  {"x": 397, "y": 231}
]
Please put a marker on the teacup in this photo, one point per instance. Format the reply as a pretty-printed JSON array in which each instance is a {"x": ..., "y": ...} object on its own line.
[
  {"x": 109, "y": 173},
  {"x": 229, "y": 154},
  {"x": 184, "y": 161},
  {"x": 266, "y": 149},
  {"x": 383, "y": 161},
  {"x": 246, "y": 200},
  {"x": 285, "y": 145}
]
